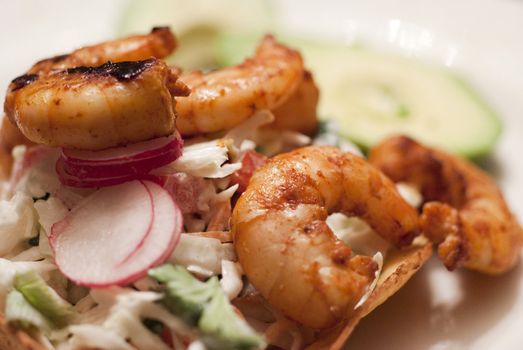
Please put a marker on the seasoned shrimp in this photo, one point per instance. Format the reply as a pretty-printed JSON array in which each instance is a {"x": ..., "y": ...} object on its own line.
[
  {"x": 159, "y": 44},
  {"x": 10, "y": 136},
  {"x": 285, "y": 246},
  {"x": 465, "y": 214},
  {"x": 93, "y": 108},
  {"x": 298, "y": 113},
  {"x": 221, "y": 99}
]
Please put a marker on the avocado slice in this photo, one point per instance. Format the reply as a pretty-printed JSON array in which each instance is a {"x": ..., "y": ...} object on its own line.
[
  {"x": 372, "y": 95},
  {"x": 196, "y": 24}
]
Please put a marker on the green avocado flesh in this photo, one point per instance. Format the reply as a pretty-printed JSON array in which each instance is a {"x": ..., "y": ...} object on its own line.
[
  {"x": 369, "y": 94},
  {"x": 372, "y": 95}
]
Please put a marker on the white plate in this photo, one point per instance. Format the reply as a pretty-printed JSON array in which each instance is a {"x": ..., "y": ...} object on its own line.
[{"x": 480, "y": 38}]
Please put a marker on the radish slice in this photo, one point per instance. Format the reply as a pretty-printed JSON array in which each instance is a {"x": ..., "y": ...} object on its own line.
[
  {"x": 92, "y": 182},
  {"x": 165, "y": 231},
  {"x": 134, "y": 151},
  {"x": 116, "y": 234},
  {"x": 117, "y": 165},
  {"x": 131, "y": 168}
]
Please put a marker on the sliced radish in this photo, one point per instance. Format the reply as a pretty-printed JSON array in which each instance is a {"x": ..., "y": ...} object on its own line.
[
  {"x": 117, "y": 165},
  {"x": 106, "y": 227},
  {"x": 129, "y": 168},
  {"x": 164, "y": 235},
  {"x": 139, "y": 150},
  {"x": 116, "y": 234},
  {"x": 92, "y": 182}
]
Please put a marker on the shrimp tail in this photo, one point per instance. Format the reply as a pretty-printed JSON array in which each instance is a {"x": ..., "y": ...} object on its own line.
[{"x": 441, "y": 224}]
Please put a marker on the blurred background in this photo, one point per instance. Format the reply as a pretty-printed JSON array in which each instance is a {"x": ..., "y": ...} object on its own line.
[{"x": 478, "y": 40}]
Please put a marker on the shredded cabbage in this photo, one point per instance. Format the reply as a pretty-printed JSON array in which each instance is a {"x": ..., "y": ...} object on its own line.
[
  {"x": 205, "y": 159},
  {"x": 49, "y": 212},
  {"x": 17, "y": 222},
  {"x": 20, "y": 312},
  {"x": 231, "y": 281},
  {"x": 35, "y": 168},
  {"x": 248, "y": 130},
  {"x": 202, "y": 255},
  {"x": 357, "y": 234},
  {"x": 410, "y": 194},
  {"x": 95, "y": 337},
  {"x": 43, "y": 298},
  {"x": 8, "y": 270}
]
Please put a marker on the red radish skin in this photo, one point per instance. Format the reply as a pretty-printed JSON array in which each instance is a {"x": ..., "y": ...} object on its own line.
[
  {"x": 84, "y": 235},
  {"x": 140, "y": 150},
  {"x": 113, "y": 166},
  {"x": 165, "y": 211},
  {"x": 93, "y": 245},
  {"x": 130, "y": 168},
  {"x": 93, "y": 182}
]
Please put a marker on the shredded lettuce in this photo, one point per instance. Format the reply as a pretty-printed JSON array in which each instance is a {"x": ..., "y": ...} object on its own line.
[
  {"x": 9, "y": 269},
  {"x": 19, "y": 312},
  {"x": 205, "y": 304},
  {"x": 43, "y": 298},
  {"x": 224, "y": 329},
  {"x": 185, "y": 295}
]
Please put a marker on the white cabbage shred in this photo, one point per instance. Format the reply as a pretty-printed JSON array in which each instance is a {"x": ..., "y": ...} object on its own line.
[
  {"x": 17, "y": 222},
  {"x": 231, "y": 281},
  {"x": 357, "y": 234},
  {"x": 112, "y": 318},
  {"x": 410, "y": 193},
  {"x": 206, "y": 159},
  {"x": 202, "y": 255}
]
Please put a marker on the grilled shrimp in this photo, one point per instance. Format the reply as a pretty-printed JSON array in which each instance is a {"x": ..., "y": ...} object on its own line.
[
  {"x": 93, "y": 108},
  {"x": 285, "y": 246},
  {"x": 221, "y": 99},
  {"x": 298, "y": 112},
  {"x": 465, "y": 214},
  {"x": 159, "y": 44}
]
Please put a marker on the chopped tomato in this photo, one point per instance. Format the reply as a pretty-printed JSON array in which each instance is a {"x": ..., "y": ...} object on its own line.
[
  {"x": 251, "y": 160},
  {"x": 167, "y": 337},
  {"x": 186, "y": 190}
]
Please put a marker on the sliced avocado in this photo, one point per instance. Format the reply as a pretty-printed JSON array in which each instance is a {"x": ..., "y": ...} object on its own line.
[
  {"x": 196, "y": 24},
  {"x": 372, "y": 95}
]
